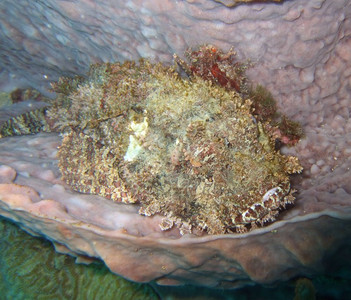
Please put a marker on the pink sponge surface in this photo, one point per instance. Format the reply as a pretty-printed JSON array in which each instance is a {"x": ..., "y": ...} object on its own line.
[{"x": 303, "y": 242}]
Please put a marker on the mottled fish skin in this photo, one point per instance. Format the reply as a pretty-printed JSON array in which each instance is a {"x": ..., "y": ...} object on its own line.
[
  {"x": 186, "y": 149},
  {"x": 27, "y": 117}
]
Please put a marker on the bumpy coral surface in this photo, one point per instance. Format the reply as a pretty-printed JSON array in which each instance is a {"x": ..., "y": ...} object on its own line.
[
  {"x": 186, "y": 149},
  {"x": 231, "y": 3},
  {"x": 29, "y": 265}
]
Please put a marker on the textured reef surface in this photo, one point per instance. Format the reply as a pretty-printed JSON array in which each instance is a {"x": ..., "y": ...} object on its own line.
[
  {"x": 187, "y": 149},
  {"x": 300, "y": 52},
  {"x": 231, "y": 3},
  {"x": 26, "y": 259}
]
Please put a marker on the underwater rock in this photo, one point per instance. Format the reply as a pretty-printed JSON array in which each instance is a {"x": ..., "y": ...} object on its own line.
[{"x": 186, "y": 149}]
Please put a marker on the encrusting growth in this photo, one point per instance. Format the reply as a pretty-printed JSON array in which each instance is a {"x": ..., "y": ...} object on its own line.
[{"x": 189, "y": 149}]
